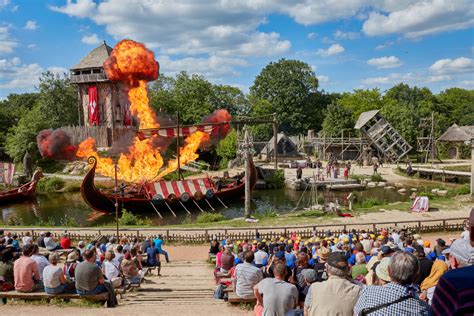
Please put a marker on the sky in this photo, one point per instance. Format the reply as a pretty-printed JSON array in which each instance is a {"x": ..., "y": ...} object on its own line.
[{"x": 350, "y": 44}]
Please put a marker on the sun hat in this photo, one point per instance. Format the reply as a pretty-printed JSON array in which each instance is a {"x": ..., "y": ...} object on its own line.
[
  {"x": 416, "y": 236},
  {"x": 345, "y": 240},
  {"x": 71, "y": 257},
  {"x": 461, "y": 249},
  {"x": 324, "y": 254},
  {"x": 382, "y": 269},
  {"x": 282, "y": 238}
]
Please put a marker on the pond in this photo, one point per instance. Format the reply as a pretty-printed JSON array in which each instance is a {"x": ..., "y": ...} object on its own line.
[{"x": 69, "y": 209}]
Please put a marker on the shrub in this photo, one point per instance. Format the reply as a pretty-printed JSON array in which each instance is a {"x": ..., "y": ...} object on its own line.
[
  {"x": 269, "y": 213},
  {"x": 209, "y": 218},
  {"x": 368, "y": 203},
  {"x": 376, "y": 178},
  {"x": 72, "y": 187},
  {"x": 49, "y": 185},
  {"x": 277, "y": 180},
  {"x": 128, "y": 218}
]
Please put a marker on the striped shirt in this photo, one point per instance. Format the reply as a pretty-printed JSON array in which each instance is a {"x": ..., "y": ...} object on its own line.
[
  {"x": 454, "y": 293},
  {"x": 246, "y": 277}
]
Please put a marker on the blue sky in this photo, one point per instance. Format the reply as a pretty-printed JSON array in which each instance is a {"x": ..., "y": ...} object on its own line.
[{"x": 349, "y": 43}]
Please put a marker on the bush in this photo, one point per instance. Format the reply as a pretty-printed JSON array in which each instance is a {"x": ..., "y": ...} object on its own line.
[
  {"x": 269, "y": 213},
  {"x": 376, "y": 178},
  {"x": 72, "y": 187},
  {"x": 209, "y": 218},
  {"x": 277, "y": 180},
  {"x": 128, "y": 218},
  {"x": 368, "y": 203},
  {"x": 49, "y": 185}
]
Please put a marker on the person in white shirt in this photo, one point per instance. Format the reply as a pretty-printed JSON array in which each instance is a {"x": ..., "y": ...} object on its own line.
[
  {"x": 465, "y": 234},
  {"x": 111, "y": 269},
  {"x": 40, "y": 260},
  {"x": 27, "y": 239},
  {"x": 261, "y": 257}
]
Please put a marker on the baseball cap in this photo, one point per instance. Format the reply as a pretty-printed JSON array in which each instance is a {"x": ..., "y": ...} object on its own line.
[
  {"x": 309, "y": 275},
  {"x": 386, "y": 250},
  {"x": 338, "y": 260},
  {"x": 382, "y": 269},
  {"x": 461, "y": 249},
  {"x": 280, "y": 255}
]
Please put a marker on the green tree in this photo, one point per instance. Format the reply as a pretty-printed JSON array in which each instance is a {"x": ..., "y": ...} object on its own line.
[
  {"x": 361, "y": 100},
  {"x": 230, "y": 98},
  {"x": 259, "y": 107},
  {"x": 227, "y": 148},
  {"x": 337, "y": 119},
  {"x": 288, "y": 85},
  {"x": 12, "y": 109},
  {"x": 458, "y": 105},
  {"x": 161, "y": 93}
]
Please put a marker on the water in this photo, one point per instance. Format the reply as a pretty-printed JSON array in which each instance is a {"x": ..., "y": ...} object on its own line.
[{"x": 70, "y": 208}]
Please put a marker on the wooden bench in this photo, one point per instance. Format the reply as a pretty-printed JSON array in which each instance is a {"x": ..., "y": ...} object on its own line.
[
  {"x": 228, "y": 289},
  {"x": 234, "y": 299},
  {"x": 101, "y": 297},
  {"x": 220, "y": 275}
]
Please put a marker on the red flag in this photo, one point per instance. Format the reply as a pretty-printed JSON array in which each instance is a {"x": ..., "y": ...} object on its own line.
[
  {"x": 93, "y": 106},
  {"x": 127, "y": 116}
]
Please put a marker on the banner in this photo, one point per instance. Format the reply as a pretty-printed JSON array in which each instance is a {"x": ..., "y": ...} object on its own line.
[
  {"x": 7, "y": 171},
  {"x": 93, "y": 106}
]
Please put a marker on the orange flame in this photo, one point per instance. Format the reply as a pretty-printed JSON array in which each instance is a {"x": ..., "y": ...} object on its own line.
[{"x": 134, "y": 64}]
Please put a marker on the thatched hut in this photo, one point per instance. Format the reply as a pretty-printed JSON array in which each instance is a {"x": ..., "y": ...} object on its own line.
[{"x": 455, "y": 137}]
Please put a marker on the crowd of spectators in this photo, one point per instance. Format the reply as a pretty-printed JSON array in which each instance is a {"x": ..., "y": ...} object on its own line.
[
  {"x": 89, "y": 269},
  {"x": 354, "y": 273}
]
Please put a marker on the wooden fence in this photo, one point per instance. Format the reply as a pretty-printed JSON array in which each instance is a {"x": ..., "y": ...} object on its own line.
[{"x": 200, "y": 236}]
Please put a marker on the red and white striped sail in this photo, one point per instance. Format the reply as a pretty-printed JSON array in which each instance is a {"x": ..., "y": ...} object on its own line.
[
  {"x": 7, "y": 171},
  {"x": 191, "y": 186},
  {"x": 183, "y": 131}
]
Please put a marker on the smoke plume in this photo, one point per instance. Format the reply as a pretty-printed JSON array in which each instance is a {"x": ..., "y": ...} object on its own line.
[{"x": 55, "y": 144}]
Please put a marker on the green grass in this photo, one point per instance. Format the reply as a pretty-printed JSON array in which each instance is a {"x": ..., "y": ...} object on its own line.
[
  {"x": 50, "y": 185},
  {"x": 209, "y": 218},
  {"x": 458, "y": 168},
  {"x": 376, "y": 178},
  {"x": 129, "y": 218}
]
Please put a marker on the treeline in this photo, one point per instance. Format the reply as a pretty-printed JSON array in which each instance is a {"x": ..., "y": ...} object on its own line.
[{"x": 288, "y": 88}]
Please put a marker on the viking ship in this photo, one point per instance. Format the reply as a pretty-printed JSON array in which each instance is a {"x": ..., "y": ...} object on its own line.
[
  {"x": 23, "y": 192},
  {"x": 165, "y": 196}
]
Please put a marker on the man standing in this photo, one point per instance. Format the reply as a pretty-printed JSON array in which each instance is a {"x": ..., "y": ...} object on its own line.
[
  {"x": 278, "y": 296},
  {"x": 159, "y": 245},
  {"x": 398, "y": 297},
  {"x": 246, "y": 276},
  {"x": 453, "y": 293},
  {"x": 337, "y": 295}
]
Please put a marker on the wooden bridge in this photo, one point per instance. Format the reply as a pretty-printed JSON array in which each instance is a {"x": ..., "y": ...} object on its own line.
[{"x": 439, "y": 172}]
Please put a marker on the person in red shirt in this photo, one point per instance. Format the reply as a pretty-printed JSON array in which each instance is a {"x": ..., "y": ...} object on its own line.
[
  {"x": 65, "y": 242},
  {"x": 25, "y": 272}
]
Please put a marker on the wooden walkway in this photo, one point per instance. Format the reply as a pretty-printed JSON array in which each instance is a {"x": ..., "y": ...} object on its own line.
[{"x": 442, "y": 172}]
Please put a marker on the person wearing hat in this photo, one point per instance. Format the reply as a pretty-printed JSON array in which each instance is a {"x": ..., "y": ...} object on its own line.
[
  {"x": 453, "y": 293},
  {"x": 70, "y": 265},
  {"x": 398, "y": 296},
  {"x": 381, "y": 272},
  {"x": 324, "y": 298}
]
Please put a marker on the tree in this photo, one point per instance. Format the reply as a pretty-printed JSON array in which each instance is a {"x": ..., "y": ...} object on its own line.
[
  {"x": 161, "y": 93},
  {"x": 230, "y": 98},
  {"x": 227, "y": 148},
  {"x": 458, "y": 104},
  {"x": 288, "y": 85},
  {"x": 259, "y": 108},
  {"x": 337, "y": 119},
  {"x": 361, "y": 100}
]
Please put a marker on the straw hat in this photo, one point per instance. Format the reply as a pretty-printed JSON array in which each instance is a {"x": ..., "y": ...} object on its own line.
[
  {"x": 72, "y": 257},
  {"x": 382, "y": 269}
]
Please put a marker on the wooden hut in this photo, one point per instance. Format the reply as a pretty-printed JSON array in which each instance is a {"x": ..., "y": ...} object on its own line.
[
  {"x": 286, "y": 149},
  {"x": 455, "y": 137}
]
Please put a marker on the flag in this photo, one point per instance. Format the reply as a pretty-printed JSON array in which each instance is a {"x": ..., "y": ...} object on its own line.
[
  {"x": 7, "y": 171},
  {"x": 93, "y": 106}
]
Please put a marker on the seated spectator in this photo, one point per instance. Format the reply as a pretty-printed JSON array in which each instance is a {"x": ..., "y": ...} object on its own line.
[
  {"x": 125, "y": 244},
  {"x": 321, "y": 297},
  {"x": 111, "y": 269},
  {"x": 70, "y": 265},
  {"x": 15, "y": 243},
  {"x": 40, "y": 260},
  {"x": 279, "y": 297},
  {"x": 360, "y": 268},
  {"x": 88, "y": 276},
  {"x": 424, "y": 263},
  {"x": 65, "y": 242},
  {"x": 397, "y": 297},
  {"x": 440, "y": 247},
  {"x": 381, "y": 272},
  {"x": 246, "y": 276},
  {"x": 453, "y": 293},
  {"x": 110, "y": 246},
  {"x": 25, "y": 271},
  {"x": 227, "y": 260},
  {"x": 119, "y": 253},
  {"x": 82, "y": 247},
  {"x": 40, "y": 240},
  {"x": 320, "y": 266},
  {"x": 214, "y": 248},
  {"x": 261, "y": 257},
  {"x": 131, "y": 273},
  {"x": 27, "y": 239},
  {"x": 6, "y": 271},
  {"x": 49, "y": 242},
  {"x": 290, "y": 257},
  {"x": 54, "y": 280},
  {"x": 428, "y": 285},
  {"x": 153, "y": 258},
  {"x": 278, "y": 257}
]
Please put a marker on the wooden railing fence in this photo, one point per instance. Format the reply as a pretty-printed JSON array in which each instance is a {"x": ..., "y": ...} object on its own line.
[{"x": 199, "y": 236}]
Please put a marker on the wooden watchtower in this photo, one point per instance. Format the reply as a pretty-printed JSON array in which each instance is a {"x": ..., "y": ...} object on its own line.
[
  {"x": 111, "y": 104},
  {"x": 382, "y": 135}
]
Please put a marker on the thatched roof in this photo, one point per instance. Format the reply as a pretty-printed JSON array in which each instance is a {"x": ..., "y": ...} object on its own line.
[
  {"x": 364, "y": 117},
  {"x": 457, "y": 133},
  {"x": 95, "y": 58}
]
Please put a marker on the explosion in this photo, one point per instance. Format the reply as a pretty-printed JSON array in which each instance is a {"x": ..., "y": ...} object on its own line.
[
  {"x": 55, "y": 144},
  {"x": 133, "y": 64}
]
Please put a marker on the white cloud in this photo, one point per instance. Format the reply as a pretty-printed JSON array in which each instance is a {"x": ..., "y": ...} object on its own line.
[
  {"x": 90, "y": 39},
  {"x": 391, "y": 79},
  {"x": 31, "y": 46},
  {"x": 58, "y": 70},
  {"x": 421, "y": 18},
  {"x": 4, "y": 3},
  {"x": 334, "y": 49},
  {"x": 31, "y": 25},
  {"x": 8, "y": 45},
  {"x": 385, "y": 62},
  {"x": 322, "y": 78},
  {"x": 78, "y": 8},
  {"x": 312, "y": 35},
  {"x": 438, "y": 78},
  {"x": 327, "y": 40},
  {"x": 468, "y": 83},
  {"x": 384, "y": 45},
  {"x": 449, "y": 66},
  {"x": 346, "y": 35}
]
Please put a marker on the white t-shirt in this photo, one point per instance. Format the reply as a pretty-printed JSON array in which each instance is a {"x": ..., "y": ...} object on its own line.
[
  {"x": 26, "y": 240},
  {"x": 42, "y": 263},
  {"x": 465, "y": 235},
  {"x": 49, "y": 243},
  {"x": 51, "y": 276},
  {"x": 111, "y": 269},
  {"x": 260, "y": 256}
]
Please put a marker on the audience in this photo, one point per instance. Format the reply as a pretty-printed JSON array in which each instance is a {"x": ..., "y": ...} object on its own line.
[
  {"x": 70, "y": 265},
  {"x": 54, "y": 280},
  {"x": 49, "y": 242},
  {"x": 111, "y": 269},
  {"x": 246, "y": 276},
  {"x": 40, "y": 260}
]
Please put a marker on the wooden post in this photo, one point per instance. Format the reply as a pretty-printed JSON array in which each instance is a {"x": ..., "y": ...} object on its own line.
[
  {"x": 247, "y": 172},
  {"x": 275, "y": 141}
]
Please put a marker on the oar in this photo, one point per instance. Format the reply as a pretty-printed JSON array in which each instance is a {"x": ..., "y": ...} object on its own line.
[
  {"x": 198, "y": 206},
  {"x": 208, "y": 203},
  {"x": 156, "y": 210},
  {"x": 220, "y": 201},
  {"x": 170, "y": 209},
  {"x": 184, "y": 207}
]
